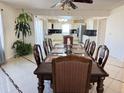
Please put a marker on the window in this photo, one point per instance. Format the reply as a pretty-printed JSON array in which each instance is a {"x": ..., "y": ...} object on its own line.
[
  {"x": 1, "y": 31},
  {"x": 66, "y": 29},
  {"x": 2, "y": 56}
]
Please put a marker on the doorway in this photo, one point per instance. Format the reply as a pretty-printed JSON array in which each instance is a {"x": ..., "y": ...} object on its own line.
[{"x": 66, "y": 29}]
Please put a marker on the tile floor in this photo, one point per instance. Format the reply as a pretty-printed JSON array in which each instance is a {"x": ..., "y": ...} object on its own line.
[{"x": 17, "y": 76}]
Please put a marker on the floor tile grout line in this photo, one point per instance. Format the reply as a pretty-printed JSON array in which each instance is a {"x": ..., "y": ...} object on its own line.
[
  {"x": 116, "y": 79},
  {"x": 29, "y": 60},
  {"x": 117, "y": 66},
  {"x": 11, "y": 80}
]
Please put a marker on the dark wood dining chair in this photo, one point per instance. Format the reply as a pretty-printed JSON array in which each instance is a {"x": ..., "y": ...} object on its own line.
[
  {"x": 50, "y": 44},
  {"x": 102, "y": 55},
  {"x": 45, "y": 45},
  {"x": 87, "y": 41},
  {"x": 66, "y": 38},
  {"x": 71, "y": 74},
  {"x": 38, "y": 54},
  {"x": 91, "y": 48}
]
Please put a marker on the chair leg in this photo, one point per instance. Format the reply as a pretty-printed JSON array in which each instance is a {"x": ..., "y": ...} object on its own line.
[{"x": 90, "y": 86}]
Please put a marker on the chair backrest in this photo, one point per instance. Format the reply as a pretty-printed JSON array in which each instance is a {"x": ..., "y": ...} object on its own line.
[
  {"x": 37, "y": 54},
  {"x": 45, "y": 45},
  {"x": 71, "y": 74},
  {"x": 87, "y": 41},
  {"x": 68, "y": 37},
  {"x": 91, "y": 48},
  {"x": 102, "y": 55},
  {"x": 50, "y": 43}
]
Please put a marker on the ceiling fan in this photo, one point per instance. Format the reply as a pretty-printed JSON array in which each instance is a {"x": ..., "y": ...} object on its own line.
[{"x": 69, "y": 3}]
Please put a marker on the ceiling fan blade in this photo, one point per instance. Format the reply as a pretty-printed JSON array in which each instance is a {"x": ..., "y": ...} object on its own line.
[
  {"x": 73, "y": 5},
  {"x": 54, "y": 5},
  {"x": 57, "y": 4},
  {"x": 62, "y": 5},
  {"x": 84, "y": 1}
]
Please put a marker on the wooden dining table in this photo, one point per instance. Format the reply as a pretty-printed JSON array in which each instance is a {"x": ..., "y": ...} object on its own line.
[{"x": 44, "y": 70}]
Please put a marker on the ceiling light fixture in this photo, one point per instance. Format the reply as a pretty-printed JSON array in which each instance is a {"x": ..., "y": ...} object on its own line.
[
  {"x": 62, "y": 20},
  {"x": 68, "y": 5}
]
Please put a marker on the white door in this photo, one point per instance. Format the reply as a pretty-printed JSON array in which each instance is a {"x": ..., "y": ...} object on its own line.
[{"x": 101, "y": 32}]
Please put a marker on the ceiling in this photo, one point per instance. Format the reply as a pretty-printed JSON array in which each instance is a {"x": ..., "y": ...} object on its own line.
[{"x": 46, "y": 4}]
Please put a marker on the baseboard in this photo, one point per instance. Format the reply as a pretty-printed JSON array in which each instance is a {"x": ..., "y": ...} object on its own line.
[{"x": 8, "y": 58}]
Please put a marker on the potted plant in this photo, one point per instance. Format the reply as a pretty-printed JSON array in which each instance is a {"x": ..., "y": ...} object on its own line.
[{"x": 23, "y": 30}]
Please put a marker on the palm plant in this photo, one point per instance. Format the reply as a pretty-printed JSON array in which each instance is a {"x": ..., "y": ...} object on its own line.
[
  {"x": 22, "y": 25},
  {"x": 23, "y": 29}
]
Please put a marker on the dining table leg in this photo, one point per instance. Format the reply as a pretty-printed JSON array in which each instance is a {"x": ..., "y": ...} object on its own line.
[
  {"x": 40, "y": 84},
  {"x": 100, "y": 85}
]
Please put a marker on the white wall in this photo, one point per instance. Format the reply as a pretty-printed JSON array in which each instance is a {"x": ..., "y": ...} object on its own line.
[
  {"x": 101, "y": 31},
  {"x": 115, "y": 33},
  {"x": 9, "y": 15},
  {"x": 89, "y": 23}
]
